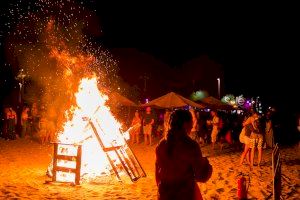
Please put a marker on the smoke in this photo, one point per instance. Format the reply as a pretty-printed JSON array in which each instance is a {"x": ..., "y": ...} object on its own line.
[{"x": 48, "y": 43}]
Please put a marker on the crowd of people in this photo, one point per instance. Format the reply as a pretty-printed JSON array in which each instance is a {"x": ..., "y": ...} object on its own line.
[
  {"x": 179, "y": 162},
  {"x": 248, "y": 131},
  {"x": 33, "y": 122},
  {"x": 208, "y": 127}
]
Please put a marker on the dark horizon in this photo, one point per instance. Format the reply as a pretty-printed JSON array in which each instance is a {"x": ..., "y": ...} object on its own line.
[{"x": 255, "y": 51}]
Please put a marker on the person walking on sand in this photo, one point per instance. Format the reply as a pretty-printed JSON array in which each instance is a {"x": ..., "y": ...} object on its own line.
[
  {"x": 179, "y": 163},
  {"x": 148, "y": 122}
]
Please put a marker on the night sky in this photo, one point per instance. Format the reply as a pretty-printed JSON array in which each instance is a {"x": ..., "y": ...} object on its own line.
[{"x": 255, "y": 46}]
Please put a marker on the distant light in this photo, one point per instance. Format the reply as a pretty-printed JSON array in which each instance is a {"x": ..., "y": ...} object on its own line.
[
  {"x": 147, "y": 100},
  {"x": 207, "y": 110},
  {"x": 198, "y": 95},
  {"x": 119, "y": 88}
]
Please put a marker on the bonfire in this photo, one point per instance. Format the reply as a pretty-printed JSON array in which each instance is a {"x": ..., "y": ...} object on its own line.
[{"x": 91, "y": 143}]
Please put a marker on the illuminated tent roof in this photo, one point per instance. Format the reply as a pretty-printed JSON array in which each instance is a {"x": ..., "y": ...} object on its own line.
[
  {"x": 214, "y": 103},
  {"x": 172, "y": 100},
  {"x": 119, "y": 100}
]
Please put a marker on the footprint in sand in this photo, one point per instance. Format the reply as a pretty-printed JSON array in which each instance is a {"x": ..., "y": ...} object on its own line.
[
  {"x": 214, "y": 197},
  {"x": 233, "y": 190},
  {"x": 220, "y": 190},
  {"x": 230, "y": 171},
  {"x": 4, "y": 191},
  {"x": 121, "y": 198}
]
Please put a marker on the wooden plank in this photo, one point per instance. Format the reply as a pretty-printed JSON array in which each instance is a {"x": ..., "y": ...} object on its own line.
[
  {"x": 276, "y": 169},
  {"x": 123, "y": 164},
  {"x": 78, "y": 165},
  {"x": 65, "y": 157},
  {"x": 64, "y": 169},
  {"x": 65, "y": 144},
  {"x": 129, "y": 164},
  {"x": 274, "y": 158},
  {"x": 102, "y": 146},
  {"x": 106, "y": 149},
  {"x": 54, "y": 162},
  {"x": 133, "y": 159}
]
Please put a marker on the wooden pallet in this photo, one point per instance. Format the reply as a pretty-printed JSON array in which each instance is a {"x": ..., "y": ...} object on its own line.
[{"x": 73, "y": 158}]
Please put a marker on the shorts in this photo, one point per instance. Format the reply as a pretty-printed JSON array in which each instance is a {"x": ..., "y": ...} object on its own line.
[
  {"x": 256, "y": 140},
  {"x": 147, "y": 129}
]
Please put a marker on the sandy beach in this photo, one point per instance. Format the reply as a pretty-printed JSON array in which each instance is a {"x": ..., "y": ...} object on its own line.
[{"x": 23, "y": 165}]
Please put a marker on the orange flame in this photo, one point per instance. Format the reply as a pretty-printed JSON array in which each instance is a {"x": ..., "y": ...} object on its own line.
[{"x": 90, "y": 107}]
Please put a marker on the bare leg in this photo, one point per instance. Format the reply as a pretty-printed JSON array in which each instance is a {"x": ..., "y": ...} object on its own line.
[
  {"x": 221, "y": 145},
  {"x": 252, "y": 157},
  {"x": 145, "y": 138},
  {"x": 212, "y": 147},
  {"x": 246, "y": 149},
  {"x": 259, "y": 155},
  {"x": 150, "y": 139},
  {"x": 248, "y": 156}
]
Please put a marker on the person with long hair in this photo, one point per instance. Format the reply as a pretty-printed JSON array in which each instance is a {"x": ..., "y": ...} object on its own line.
[
  {"x": 248, "y": 127},
  {"x": 179, "y": 163}
]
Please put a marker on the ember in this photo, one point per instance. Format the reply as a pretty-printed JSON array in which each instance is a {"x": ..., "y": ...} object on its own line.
[
  {"x": 91, "y": 143},
  {"x": 93, "y": 127}
]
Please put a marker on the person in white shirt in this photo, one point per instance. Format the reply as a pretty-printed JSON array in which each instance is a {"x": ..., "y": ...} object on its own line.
[{"x": 215, "y": 128}]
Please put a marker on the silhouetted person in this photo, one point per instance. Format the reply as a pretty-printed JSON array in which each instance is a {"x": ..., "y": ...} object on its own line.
[
  {"x": 148, "y": 122},
  {"x": 136, "y": 124},
  {"x": 179, "y": 162},
  {"x": 25, "y": 122},
  {"x": 269, "y": 131},
  {"x": 215, "y": 128},
  {"x": 11, "y": 117}
]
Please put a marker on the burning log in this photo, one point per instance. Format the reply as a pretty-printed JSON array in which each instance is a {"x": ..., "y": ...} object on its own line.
[
  {"x": 100, "y": 144},
  {"x": 71, "y": 158},
  {"x": 128, "y": 161}
]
